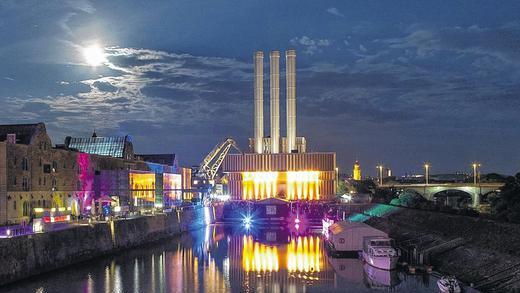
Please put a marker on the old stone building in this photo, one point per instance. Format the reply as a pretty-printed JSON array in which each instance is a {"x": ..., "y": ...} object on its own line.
[{"x": 35, "y": 175}]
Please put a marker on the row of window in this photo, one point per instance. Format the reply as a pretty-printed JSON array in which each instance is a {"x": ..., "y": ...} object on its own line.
[
  {"x": 25, "y": 165},
  {"x": 26, "y": 183}
]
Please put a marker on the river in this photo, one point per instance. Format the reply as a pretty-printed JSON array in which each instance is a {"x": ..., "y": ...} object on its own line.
[{"x": 226, "y": 259}]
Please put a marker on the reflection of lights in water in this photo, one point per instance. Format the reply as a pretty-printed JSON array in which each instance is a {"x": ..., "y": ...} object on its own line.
[
  {"x": 258, "y": 257},
  {"x": 136, "y": 276},
  {"x": 90, "y": 284},
  {"x": 207, "y": 215},
  {"x": 118, "y": 282},
  {"x": 304, "y": 254}
]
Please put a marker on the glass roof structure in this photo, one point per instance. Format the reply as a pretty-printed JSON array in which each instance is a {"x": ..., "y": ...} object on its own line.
[{"x": 103, "y": 146}]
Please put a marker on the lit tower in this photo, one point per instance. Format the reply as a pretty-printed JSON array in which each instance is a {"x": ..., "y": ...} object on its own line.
[
  {"x": 259, "y": 102},
  {"x": 274, "y": 67},
  {"x": 290, "y": 82},
  {"x": 356, "y": 172}
]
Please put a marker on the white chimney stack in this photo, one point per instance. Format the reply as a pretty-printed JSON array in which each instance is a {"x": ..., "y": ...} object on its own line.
[
  {"x": 290, "y": 81},
  {"x": 274, "y": 68},
  {"x": 259, "y": 101}
]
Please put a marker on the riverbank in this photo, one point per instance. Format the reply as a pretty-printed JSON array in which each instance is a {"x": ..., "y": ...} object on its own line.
[
  {"x": 489, "y": 257},
  {"x": 30, "y": 255}
]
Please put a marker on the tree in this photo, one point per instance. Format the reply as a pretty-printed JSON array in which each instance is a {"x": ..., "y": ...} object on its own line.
[
  {"x": 342, "y": 187},
  {"x": 384, "y": 195},
  {"x": 506, "y": 205}
]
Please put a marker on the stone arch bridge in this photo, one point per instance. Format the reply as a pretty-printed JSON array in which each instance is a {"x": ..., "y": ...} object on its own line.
[{"x": 428, "y": 191}]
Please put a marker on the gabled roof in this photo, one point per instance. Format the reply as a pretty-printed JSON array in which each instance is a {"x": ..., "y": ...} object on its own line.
[{"x": 25, "y": 133}]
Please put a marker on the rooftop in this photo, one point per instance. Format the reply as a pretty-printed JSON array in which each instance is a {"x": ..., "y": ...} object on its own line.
[{"x": 24, "y": 132}]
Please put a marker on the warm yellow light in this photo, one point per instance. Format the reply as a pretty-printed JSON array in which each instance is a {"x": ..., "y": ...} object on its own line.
[
  {"x": 304, "y": 255},
  {"x": 300, "y": 185},
  {"x": 143, "y": 185},
  {"x": 259, "y": 185},
  {"x": 259, "y": 257},
  {"x": 94, "y": 55}
]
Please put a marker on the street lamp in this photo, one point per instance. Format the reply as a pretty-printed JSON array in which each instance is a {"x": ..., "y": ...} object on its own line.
[
  {"x": 476, "y": 166},
  {"x": 380, "y": 168},
  {"x": 426, "y": 173}
]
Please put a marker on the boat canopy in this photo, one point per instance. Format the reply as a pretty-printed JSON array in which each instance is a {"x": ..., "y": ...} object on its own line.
[{"x": 349, "y": 236}]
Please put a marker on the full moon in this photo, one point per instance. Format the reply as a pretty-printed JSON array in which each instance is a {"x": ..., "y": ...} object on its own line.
[{"x": 94, "y": 55}]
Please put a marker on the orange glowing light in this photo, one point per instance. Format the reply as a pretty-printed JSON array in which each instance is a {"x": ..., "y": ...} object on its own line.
[
  {"x": 297, "y": 185},
  {"x": 302, "y": 255},
  {"x": 143, "y": 185}
]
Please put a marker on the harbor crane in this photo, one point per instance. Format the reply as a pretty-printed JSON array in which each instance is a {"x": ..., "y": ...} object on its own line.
[{"x": 209, "y": 167}]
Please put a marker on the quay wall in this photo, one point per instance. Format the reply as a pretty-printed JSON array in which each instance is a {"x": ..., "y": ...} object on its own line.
[
  {"x": 489, "y": 255},
  {"x": 29, "y": 255}
]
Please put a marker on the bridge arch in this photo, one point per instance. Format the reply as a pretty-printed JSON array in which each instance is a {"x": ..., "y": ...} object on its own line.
[{"x": 456, "y": 197}]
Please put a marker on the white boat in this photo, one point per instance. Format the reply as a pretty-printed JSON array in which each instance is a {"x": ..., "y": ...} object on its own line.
[
  {"x": 380, "y": 252},
  {"x": 448, "y": 284}
]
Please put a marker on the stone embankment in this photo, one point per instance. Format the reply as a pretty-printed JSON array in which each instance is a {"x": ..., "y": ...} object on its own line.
[
  {"x": 489, "y": 257},
  {"x": 25, "y": 256}
]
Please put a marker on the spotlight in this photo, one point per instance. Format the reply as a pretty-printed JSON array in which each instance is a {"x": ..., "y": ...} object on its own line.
[{"x": 247, "y": 221}]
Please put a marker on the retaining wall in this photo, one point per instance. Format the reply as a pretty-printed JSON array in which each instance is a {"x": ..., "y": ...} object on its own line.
[{"x": 25, "y": 256}]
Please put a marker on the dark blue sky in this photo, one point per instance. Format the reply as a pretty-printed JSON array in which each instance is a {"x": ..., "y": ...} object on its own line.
[{"x": 397, "y": 82}]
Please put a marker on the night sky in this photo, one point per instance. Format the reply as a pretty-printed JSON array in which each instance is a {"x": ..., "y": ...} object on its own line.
[{"x": 397, "y": 82}]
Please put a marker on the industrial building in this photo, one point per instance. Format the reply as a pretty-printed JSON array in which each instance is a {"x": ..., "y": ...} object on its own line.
[
  {"x": 80, "y": 175},
  {"x": 279, "y": 166}
]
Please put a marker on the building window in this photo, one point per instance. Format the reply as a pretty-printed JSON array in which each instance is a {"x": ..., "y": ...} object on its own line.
[
  {"x": 25, "y": 164},
  {"x": 40, "y": 163},
  {"x": 14, "y": 205},
  {"x": 54, "y": 166},
  {"x": 54, "y": 182},
  {"x": 15, "y": 161},
  {"x": 44, "y": 181},
  {"x": 40, "y": 181},
  {"x": 25, "y": 184},
  {"x": 14, "y": 180}
]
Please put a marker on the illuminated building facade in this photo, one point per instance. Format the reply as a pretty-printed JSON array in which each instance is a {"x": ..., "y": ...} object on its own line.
[
  {"x": 295, "y": 176},
  {"x": 37, "y": 176},
  {"x": 279, "y": 166},
  {"x": 356, "y": 171}
]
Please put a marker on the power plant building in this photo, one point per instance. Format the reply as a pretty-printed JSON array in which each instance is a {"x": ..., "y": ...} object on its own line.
[{"x": 279, "y": 166}]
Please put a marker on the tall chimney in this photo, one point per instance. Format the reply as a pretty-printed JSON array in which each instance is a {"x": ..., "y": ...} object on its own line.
[
  {"x": 274, "y": 68},
  {"x": 259, "y": 101},
  {"x": 290, "y": 81}
]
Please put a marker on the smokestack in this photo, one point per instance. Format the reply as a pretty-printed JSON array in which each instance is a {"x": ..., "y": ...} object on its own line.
[
  {"x": 274, "y": 68},
  {"x": 259, "y": 101},
  {"x": 290, "y": 81}
]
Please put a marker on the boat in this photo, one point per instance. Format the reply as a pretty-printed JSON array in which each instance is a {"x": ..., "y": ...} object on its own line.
[
  {"x": 345, "y": 239},
  {"x": 448, "y": 284},
  {"x": 380, "y": 252}
]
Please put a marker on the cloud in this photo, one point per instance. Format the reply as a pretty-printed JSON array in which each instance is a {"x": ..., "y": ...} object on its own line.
[
  {"x": 310, "y": 46},
  {"x": 500, "y": 42},
  {"x": 335, "y": 11}
]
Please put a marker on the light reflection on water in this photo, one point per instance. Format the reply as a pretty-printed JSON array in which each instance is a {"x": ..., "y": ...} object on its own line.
[{"x": 223, "y": 259}]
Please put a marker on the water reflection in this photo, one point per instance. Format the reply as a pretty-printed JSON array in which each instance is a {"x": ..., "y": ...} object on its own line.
[{"x": 225, "y": 259}]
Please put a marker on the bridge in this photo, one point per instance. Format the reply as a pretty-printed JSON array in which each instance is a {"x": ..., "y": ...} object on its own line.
[{"x": 428, "y": 191}]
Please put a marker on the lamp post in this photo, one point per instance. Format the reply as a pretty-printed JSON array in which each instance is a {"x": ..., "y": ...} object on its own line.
[
  {"x": 426, "y": 173},
  {"x": 476, "y": 171},
  {"x": 380, "y": 168}
]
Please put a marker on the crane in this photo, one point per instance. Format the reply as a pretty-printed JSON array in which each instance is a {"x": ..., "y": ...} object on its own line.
[{"x": 209, "y": 167}]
